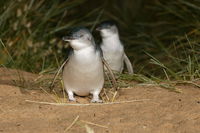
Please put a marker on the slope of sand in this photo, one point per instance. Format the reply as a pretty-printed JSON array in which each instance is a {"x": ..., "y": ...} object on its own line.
[{"x": 164, "y": 112}]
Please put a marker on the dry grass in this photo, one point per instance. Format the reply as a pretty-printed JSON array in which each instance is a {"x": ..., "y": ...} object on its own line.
[
  {"x": 89, "y": 104},
  {"x": 70, "y": 126}
]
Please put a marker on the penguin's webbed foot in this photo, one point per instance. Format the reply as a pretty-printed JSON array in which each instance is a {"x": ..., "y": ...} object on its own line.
[
  {"x": 72, "y": 99},
  {"x": 95, "y": 98},
  {"x": 71, "y": 96},
  {"x": 96, "y": 101}
]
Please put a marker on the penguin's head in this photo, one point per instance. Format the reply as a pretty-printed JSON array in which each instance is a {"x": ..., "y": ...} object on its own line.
[
  {"x": 79, "y": 38},
  {"x": 107, "y": 28}
]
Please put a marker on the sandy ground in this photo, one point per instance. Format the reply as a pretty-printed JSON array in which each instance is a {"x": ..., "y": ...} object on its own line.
[{"x": 164, "y": 112}]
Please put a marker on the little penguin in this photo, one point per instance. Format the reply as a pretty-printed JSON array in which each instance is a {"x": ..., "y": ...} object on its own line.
[
  {"x": 112, "y": 47},
  {"x": 83, "y": 73}
]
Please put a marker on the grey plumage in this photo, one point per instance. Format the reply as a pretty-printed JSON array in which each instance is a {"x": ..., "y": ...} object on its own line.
[
  {"x": 83, "y": 73},
  {"x": 112, "y": 47}
]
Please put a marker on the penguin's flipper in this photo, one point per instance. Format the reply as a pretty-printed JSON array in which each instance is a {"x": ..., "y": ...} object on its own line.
[
  {"x": 128, "y": 64},
  {"x": 56, "y": 75},
  {"x": 111, "y": 73}
]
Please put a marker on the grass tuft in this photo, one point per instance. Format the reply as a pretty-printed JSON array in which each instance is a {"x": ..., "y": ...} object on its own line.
[{"x": 161, "y": 37}]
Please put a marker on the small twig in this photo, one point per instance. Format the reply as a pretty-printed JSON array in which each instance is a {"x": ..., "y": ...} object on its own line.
[
  {"x": 111, "y": 73},
  {"x": 48, "y": 94},
  {"x": 127, "y": 88},
  {"x": 56, "y": 75},
  {"x": 87, "y": 122},
  {"x": 187, "y": 82},
  {"x": 115, "y": 94},
  {"x": 75, "y": 120},
  {"x": 88, "y": 129},
  {"x": 108, "y": 79},
  {"x": 6, "y": 50},
  {"x": 89, "y": 104},
  {"x": 106, "y": 94}
]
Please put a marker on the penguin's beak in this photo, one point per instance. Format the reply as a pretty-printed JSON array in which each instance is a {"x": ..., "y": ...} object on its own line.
[{"x": 68, "y": 38}]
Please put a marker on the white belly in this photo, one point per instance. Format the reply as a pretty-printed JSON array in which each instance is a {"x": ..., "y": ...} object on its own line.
[
  {"x": 114, "y": 57},
  {"x": 83, "y": 73},
  {"x": 115, "y": 61}
]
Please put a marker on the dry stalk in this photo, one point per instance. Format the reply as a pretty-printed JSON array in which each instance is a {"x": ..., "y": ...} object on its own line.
[
  {"x": 75, "y": 120},
  {"x": 56, "y": 75},
  {"x": 89, "y": 104}
]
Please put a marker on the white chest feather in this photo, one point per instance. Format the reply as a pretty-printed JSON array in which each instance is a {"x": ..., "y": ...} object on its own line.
[
  {"x": 113, "y": 52},
  {"x": 83, "y": 72}
]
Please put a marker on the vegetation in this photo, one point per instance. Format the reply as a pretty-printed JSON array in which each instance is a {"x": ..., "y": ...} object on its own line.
[{"x": 162, "y": 38}]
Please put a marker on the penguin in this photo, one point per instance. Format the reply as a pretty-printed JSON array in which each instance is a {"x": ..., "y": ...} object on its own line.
[
  {"x": 83, "y": 72},
  {"x": 112, "y": 47}
]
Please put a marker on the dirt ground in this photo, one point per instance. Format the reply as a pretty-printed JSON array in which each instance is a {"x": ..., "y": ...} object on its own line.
[{"x": 163, "y": 112}]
